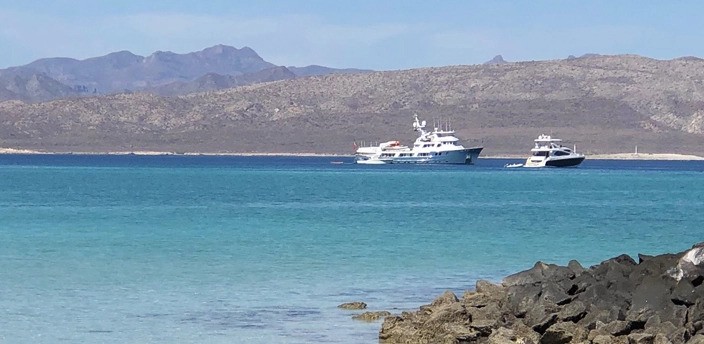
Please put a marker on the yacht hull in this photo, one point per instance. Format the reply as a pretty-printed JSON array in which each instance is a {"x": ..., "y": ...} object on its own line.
[
  {"x": 466, "y": 156},
  {"x": 567, "y": 162}
]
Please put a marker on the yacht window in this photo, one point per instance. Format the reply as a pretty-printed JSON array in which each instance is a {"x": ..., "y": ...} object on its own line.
[{"x": 560, "y": 153}]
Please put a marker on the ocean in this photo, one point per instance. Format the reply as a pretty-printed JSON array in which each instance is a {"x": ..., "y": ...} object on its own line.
[{"x": 205, "y": 249}]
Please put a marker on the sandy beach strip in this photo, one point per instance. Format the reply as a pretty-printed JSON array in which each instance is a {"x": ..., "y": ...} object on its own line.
[
  {"x": 148, "y": 153},
  {"x": 616, "y": 156},
  {"x": 613, "y": 156}
]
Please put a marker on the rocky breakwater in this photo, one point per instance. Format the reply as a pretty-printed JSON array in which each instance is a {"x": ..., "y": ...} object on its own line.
[{"x": 659, "y": 299}]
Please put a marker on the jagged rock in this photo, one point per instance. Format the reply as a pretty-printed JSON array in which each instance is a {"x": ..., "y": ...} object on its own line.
[
  {"x": 522, "y": 299},
  {"x": 573, "y": 312},
  {"x": 539, "y": 273},
  {"x": 491, "y": 312},
  {"x": 615, "y": 328},
  {"x": 446, "y": 298},
  {"x": 576, "y": 267},
  {"x": 604, "y": 339},
  {"x": 661, "y": 339},
  {"x": 691, "y": 265},
  {"x": 596, "y": 315},
  {"x": 486, "y": 287},
  {"x": 562, "y": 333},
  {"x": 553, "y": 293},
  {"x": 641, "y": 338},
  {"x": 653, "y": 296},
  {"x": 686, "y": 294},
  {"x": 504, "y": 336},
  {"x": 353, "y": 305},
  {"x": 371, "y": 316},
  {"x": 696, "y": 339}
]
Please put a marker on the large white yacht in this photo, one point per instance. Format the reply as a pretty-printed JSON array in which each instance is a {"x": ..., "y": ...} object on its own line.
[
  {"x": 549, "y": 152},
  {"x": 431, "y": 147}
]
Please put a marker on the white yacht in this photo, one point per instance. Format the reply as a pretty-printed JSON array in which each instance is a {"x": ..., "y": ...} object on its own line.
[
  {"x": 431, "y": 147},
  {"x": 549, "y": 152}
]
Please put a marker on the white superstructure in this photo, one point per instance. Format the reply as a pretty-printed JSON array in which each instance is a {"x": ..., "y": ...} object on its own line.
[
  {"x": 549, "y": 152},
  {"x": 431, "y": 147}
]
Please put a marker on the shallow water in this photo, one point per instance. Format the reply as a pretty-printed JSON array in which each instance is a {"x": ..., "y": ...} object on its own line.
[{"x": 130, "y": 249}]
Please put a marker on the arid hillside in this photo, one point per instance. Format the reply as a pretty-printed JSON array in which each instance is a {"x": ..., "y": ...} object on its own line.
[{"x": 602, "y": 104}]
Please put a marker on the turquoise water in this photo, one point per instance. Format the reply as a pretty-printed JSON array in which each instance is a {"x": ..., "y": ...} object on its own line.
[{"x": 261, "y": 250}]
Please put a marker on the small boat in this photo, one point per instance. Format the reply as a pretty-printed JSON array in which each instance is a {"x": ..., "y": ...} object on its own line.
[
  {"x": 431, "y": 147},
  {"x": 548, "y": 152},
  {"x": 514, "y": 165}
]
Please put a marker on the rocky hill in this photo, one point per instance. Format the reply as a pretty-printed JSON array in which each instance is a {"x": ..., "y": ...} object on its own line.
[{"x": 602, "y": 104}]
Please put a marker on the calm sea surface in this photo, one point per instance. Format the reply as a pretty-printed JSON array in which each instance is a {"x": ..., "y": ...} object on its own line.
[{"x": 173, "y": 249}]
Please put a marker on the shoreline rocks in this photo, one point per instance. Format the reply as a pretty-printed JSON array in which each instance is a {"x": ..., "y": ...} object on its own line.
[
  {"x": 657, "y": 300},
  {"x": 356, "y": 305}
]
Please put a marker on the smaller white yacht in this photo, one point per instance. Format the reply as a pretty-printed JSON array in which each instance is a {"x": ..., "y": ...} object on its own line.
[
  {"x": 431, "y": 147},
  {"x": 548, "y": 152}
]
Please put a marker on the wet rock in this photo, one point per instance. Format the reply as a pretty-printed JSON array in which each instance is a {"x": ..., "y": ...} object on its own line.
[
  {"x": 353, "y": 305},
  {"x": 371, "y": 316}
]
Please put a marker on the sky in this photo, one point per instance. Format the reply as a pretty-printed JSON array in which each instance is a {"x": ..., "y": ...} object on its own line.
[{"x": 369, "y": 34}]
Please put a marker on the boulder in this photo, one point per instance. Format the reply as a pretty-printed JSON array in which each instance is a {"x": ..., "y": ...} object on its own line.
[
  {"x": 353, "y": 305},
  {"x": 697, "y": 339},
  {"x": 641, "y": 338},
  {"x": 371, "y": 316},
  {"x": 563, "y": 333},
  {"x": 573, "y": 312},
  {"x": 540, "y": 272}
]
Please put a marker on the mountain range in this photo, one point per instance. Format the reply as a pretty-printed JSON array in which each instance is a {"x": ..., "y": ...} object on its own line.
[
  {"x": 164, "y": 73},
  {"x": 600, "y": 103}
]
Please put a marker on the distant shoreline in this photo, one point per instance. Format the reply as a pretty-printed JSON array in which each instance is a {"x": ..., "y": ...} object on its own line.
[
  {"x": 614, "y": 156},
  {"x": 9, "y": 151},
  {"x": 619, "y": 156}
]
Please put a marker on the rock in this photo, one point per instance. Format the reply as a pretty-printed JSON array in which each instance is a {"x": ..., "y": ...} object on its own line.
[
  {"x": 573, "y": 312},
  {"x": 539, "y": 273},
  {"x": 696, "y": 339},
  {"x": 447, "y": 297},
  {"x": 665, "y": 328},
  {"x": 616, "y": 328},
  {"x": 603, "y": 339},
  {"x": 661, "y": 339},
  {"x": 371, "y": 316},
  {"x": 684, "y": 293},
  {"x": 691, "y": 265},
  {"x": 641, "y": 338},
  {"x": 553, "y": 293},
  {"x": 563, "y": 333},
  {"x": 486, "y": 287},
  {"x": 523, "y": 298},
  {"x": 653, "y": 297},
  {"x": 353, "y": 305},
  {"x": 503, "y": 336}
]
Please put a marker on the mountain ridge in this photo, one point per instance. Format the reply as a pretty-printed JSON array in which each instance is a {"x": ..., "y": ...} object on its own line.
[{"x": 123, "y": 71}]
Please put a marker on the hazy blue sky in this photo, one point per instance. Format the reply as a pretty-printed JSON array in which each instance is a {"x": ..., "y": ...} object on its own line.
[{"x": 372, "y": 34}]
